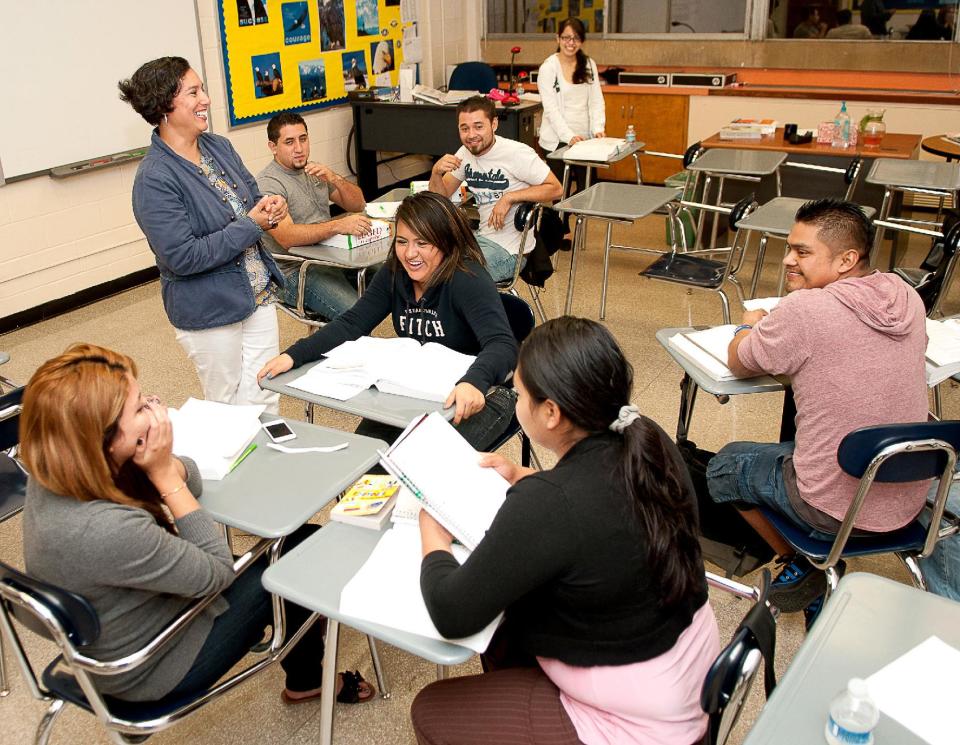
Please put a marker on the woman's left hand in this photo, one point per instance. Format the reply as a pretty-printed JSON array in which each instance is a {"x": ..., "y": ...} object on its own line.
[
  {"x": 467, "y": 399},
  {"x": 433, "y": 536},
  {"x": 575, "y": 139},
  {"x": 599, "y": 134}
]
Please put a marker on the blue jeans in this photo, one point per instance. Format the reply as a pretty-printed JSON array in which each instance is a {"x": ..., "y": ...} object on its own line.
[
  {"x": 241, "y": 627},
  {"x": 500, "y": 262},
  {"x": 326, "y": 293},
  {"x": 752, "y": 473},
  {"x": 942, "y": 568}
]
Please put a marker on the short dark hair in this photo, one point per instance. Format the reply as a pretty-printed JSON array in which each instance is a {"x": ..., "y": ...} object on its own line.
[
  {"x": 280, "y": 121},
  {"x": 842, "y": 226},
  {"x": 435, "y": 219},
  {"x": 152, "y": 88},
  {"x": 577, "y": 363},
  {"x": 477, "y": 103},
  {"x": 844, "y": 16}
]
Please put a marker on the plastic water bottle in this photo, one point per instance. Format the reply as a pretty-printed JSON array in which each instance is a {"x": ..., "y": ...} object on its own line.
[
  {"x": 841, "y": 132},
  {"x": 631, "y": 135},
  {"x": 853, "y": 715}
]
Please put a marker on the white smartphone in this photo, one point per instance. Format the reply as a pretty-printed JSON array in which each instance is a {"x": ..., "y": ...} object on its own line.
[{"x": 278, "y": 430}]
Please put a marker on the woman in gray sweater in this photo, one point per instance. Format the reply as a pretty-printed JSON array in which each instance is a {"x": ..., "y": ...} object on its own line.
[{"x": 104, "y": 485}]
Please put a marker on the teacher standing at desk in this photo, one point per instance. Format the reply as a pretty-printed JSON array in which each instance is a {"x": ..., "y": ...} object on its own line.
[
  {"x": 569, "y": 86},
  {"x": 436, "y": 288},
  {"x": 608, "y": 634},
  {"x": 203, "y": 217}
]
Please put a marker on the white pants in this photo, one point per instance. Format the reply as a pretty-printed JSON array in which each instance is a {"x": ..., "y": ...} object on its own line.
[{"x": 229, "y": 357}]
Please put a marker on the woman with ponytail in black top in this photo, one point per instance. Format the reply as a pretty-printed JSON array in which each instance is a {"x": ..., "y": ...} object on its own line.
[{"x": 608, "y": 634}]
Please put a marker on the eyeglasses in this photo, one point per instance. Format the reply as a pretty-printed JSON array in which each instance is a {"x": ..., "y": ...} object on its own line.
[{"x": 569, "y": 39}]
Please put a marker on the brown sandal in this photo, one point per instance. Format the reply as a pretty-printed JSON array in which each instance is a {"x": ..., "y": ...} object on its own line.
[{"x": 354, "y": 690}]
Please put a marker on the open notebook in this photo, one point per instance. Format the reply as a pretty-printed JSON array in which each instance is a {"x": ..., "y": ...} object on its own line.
[
  {"x": 214, "y": 434},
  {"x": 440, "y": 468},
  {"x": 943, "y": 350},
  {"x": 707, "y": 349},
  {"x": 399, "y": 365}
]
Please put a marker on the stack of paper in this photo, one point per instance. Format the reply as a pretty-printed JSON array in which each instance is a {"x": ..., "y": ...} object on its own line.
[
  {"x": 386, "y": 590},
  {"x": 384, "y": 210},
  {"x": 707, "y": 349},
  {"x": 598, "y": 149},
  {"x": 214, "y": 434},
  {"x": 943, "y": 350},
  {"x": 399, "y": 365}
]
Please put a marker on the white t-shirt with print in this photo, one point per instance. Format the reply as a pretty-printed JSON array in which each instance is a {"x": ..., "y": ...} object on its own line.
[{"x": 507, "y": 166}]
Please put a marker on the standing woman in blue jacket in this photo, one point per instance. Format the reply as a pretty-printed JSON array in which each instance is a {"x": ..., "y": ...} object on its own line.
[{"x": 203, "y": 216}]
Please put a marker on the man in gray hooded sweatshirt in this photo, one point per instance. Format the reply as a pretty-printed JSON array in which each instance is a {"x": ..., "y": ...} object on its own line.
[{"x": 852, "y": 342}]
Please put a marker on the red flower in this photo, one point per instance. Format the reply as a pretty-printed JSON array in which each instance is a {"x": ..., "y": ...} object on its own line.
[
  {"x": 515, "y": 50},
  {"x": 522, "y": 75}
]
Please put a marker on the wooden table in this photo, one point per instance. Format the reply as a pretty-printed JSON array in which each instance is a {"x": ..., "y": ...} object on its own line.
[
  {"x": 940, "y": 145},
  {"x": 893, "y": 145}
]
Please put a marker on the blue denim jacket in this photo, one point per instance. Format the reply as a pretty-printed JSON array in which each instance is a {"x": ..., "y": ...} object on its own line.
[{"x": 195, "y": 235}]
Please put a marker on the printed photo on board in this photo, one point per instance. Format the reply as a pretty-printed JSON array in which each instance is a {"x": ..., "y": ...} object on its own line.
[
  {"x": 381, "y": 52},
  {"x": 368, "y": 18},
  {"x": 250, "y": 12},
  {"x": 267, "y": 75},
  {"x": 313, "y": 80},
  {"x": 296, "y": 23},
  {"x": 331, "y": 25},
  {"x": 354, "y": 71}
]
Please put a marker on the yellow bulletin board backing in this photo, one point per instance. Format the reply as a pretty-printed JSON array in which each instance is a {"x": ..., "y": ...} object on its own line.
[
  {"x": 590, "y": 12},
  {"x": 299, "y": 55}
]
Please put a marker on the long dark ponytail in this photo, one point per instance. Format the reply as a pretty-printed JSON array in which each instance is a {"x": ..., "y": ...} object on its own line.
[
  {"x": 582, "y": 73},
  {"x": 577, "y": 363}
]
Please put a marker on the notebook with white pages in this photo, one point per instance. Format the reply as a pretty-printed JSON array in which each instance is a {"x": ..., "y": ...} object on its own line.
[
  {"x": 443, "y": 471},
  {"x": 213, "y": 434},
  {"x": 707, "y": 349},
  {"x": 597, "y": 149},
  {"x": 398, "y": 365},
  {"x": 386, "y": 589},
  {"x": 943, "y": 350},
  {"x": 761, "y": 303}
]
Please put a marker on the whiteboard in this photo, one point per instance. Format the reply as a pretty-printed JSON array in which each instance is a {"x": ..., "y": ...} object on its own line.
[{"x": 62, "y": 61}]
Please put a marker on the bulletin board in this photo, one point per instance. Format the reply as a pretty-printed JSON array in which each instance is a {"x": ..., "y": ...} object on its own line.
[
  {"x": 300, "y": 55},
  {"x": 590, "y": 12}
]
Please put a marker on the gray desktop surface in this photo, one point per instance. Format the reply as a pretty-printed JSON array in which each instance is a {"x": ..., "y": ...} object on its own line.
[
  {"x": 777, "y": 216},
  {"x": 738, "y": 162},
  {"x": 868, "y": 622},
  {"x": 353, "y": 258},
  {"x": 630, "y": 149},
  {"x": 915, "y": 173},
  {"x": 616, "y": 201},
  {"x": 387, "y": 408},
  {"x": 314, "y": 574},
  {"x": 760, "y": 384},
  {"x": 271, "y": 494},
  {"x": 4, "y": 357}
]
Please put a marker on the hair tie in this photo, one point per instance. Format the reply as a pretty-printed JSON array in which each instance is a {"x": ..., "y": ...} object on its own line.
[{"x": 627, "y": 416}]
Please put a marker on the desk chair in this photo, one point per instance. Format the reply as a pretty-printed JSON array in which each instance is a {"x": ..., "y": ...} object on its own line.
[
  {"x": 522, "y": 322},
  {"x": 688, "y": 268},
  {"x": 472, "y": 76},
  {"x": 891, "y": 453},
  {"x": 933, "y": 277},
  {"x": 733, "y": 672},
  {"x": 298, "y": 312},
  {"x": 682, "y": 180},
  {"x": 13, "y": 481},
  {"x": 775, "y": 218},
  {"x": 527, "y": 217},
  {"x": 68, "y": 620},
  {"x": 5, "y": 382}
]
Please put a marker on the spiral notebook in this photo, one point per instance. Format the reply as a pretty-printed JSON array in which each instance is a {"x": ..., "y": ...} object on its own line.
[{"x": 442, "y": 471}]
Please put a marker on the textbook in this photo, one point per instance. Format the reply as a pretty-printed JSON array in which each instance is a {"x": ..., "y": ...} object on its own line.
[
  {"x": 379, "y": 229},
  {"x": 443, "y": 472},
  {"x": 943, "y": 350},
  {"x": 599, "y": 149},
  {"x": 213, "y": 434},
  {"x": 707, "y": 349},
  {"x": 399, "y": 365},
  {"x": 368, "y": 503}
]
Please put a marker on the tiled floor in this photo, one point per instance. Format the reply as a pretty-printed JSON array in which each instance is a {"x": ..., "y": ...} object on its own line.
[{"x": 134, "y": 323}]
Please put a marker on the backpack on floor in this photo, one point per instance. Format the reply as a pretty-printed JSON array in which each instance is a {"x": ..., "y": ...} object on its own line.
[{"x": 726, "y": 539}]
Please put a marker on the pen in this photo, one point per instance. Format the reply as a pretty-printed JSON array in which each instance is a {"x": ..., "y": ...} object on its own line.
[{"x": 250, "y": 448}]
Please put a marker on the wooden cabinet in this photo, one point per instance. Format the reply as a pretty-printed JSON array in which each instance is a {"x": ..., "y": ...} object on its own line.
[{"x": 660, "y": 121}]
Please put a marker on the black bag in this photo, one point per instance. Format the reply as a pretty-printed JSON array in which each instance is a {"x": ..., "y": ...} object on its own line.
[
  {"x": 726, "y": 539},
  {"x": 549, "y": 234}
]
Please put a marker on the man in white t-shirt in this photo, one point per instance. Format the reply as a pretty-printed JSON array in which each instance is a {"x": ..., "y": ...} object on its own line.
[{"x": 500, "y": 173}]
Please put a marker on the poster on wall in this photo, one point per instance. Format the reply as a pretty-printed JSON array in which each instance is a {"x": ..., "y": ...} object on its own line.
[
  {"x": 299, "y": 55},
  {"x": 552, "y": 12}
]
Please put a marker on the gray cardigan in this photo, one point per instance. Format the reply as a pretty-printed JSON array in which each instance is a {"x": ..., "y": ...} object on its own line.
[{"x": 136, "y": 575}]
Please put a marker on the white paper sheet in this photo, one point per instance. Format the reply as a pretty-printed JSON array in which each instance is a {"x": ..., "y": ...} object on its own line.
[
  {"x": 412, "y": 46},
  {"x": 383, "y": 210},
  {"x": 703, "y": 359},
  {"x": 761, "y": 303},
  {"x": 386, "y": 589},
  {"x": 213, "y": 434},
  {"x": 919, "y": 690}
]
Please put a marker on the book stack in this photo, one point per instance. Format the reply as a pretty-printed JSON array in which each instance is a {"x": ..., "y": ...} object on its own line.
[
  {"x": 597, "y": 149},
  {"x": 368, "y": 503},
  {"x": 767, "y": 126},
  {"x": 379, "y": 229},
  {"x": 734, "y": 131}
]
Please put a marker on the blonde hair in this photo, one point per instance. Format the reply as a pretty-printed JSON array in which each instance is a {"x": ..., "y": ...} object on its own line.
[{"x": 71, "y": 408}]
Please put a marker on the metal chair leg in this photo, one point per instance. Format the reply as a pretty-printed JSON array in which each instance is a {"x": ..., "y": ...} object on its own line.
[
  {"x": 913, "y": 566},
  {"x": 535, "y": 294},
  {"x": 45, "y": 727},
  {"x": 937, "y": 402},
  {"x": 758, "y": 269},
  {"x": 725, "y": 303},
  {"x": 328, "y": 681},
  {"x": 443, "y": 672},
  {"x": 377, "y": 667},
  {"x": 4, "y": 689},
  {"x": 606, "y": 272}
]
